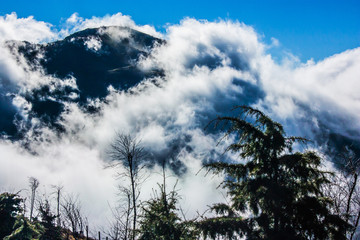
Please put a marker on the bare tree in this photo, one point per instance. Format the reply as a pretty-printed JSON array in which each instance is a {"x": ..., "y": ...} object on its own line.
[
  {"x": 72, "y": 215},
  {"x": 58, "y": 189},
  {"x": 119, "y": 226},
  {"x": 344, "y": 190},
  {"x": 126, "y": 151},
  {"x": 34, "y": 184}
]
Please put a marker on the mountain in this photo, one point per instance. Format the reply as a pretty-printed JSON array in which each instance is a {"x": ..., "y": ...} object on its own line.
[
  {"x": 80, "y": 68},
  {"x": 95, "y": 58}
]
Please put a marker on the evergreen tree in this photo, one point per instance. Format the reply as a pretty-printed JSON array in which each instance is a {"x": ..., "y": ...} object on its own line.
[
  {"x": 9, "y": 209},
  {"x": 275, "y": 193},
  {"x": 160, "y": 220},
  {"x": 25, "y": 230},
  {"x": 51, "y": 231}
]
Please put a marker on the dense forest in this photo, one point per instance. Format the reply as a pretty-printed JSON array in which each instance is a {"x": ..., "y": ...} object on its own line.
[{"x": 277, "y": 189}]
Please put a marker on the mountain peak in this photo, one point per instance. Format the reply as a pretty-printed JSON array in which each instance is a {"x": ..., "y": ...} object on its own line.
[{"x": 94, "y": 58}]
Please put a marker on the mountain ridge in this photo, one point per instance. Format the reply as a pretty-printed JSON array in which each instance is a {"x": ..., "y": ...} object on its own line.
[{"x": 94, "y": 58}]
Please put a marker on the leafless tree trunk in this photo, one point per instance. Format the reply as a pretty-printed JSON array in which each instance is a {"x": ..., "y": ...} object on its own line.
[
  {"x": 344, "y": 190},
  {"x": 34, "y": 184},
  {"x": 127, "y": 214},
  {"x": 120, "y": 226},
  {"x": 126, "y": 151},
  {"x": 72, "y": 215},
  {"x": 58, "y": 189}
]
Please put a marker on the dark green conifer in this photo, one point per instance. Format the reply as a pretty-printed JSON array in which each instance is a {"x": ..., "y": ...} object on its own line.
[
  {"x": 9, "y": 209},
  {"x": 275, "y": 193},
  {"x": 25, "y": 230},
  {"x": 160, "y": 220},
  {"x": 51, "y": 231}
]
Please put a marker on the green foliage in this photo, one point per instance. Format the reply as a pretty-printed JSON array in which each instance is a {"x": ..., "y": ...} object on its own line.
[
  {"x": 24, "y": 230},
  {"x": 14, "y": 226},
  {"x": 230, "y": 227},
  {"x": 275, "y": 193},
  {"x": 51, "y": 231},
  {"x": 160, "y": 220},
  {"x": 9, "y": 209}
]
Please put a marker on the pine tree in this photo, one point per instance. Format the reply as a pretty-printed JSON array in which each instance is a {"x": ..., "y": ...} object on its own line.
[
  {"x": 160, "y": 220},
  {"x": 25, "y": 230},
  {"x": 9, "y": 209},
  {"x": 51, "y": 232},
  {"x": 275, "y": 193}
]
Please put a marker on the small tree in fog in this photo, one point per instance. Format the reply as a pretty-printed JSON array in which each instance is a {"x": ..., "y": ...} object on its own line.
[
  {"x": 126, "y": 151},
  {"x": 344, "y": 190},
  {"x": 72, "y": 215},
  {"x": 118, "y": 228},
  {"x": 160, "y": 217},
  {"x": 50, "y": 231}
]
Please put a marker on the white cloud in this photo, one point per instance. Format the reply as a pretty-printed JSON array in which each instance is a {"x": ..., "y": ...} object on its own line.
[
  {"x": 93, "y": 44},
  {"x": 25, "y": 29},
  {"x": 74, "y": 19},
  {"x": 275, "y": 42},
  {"x": 325, "y": 88},
  {"x": 75, "y": 166},
  {"x": 76, "y": 23},
  {"x": 115, "y": 33}
]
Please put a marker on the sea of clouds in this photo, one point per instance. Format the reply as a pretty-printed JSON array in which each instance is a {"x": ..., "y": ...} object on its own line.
[{"x": 209, "y": 67}]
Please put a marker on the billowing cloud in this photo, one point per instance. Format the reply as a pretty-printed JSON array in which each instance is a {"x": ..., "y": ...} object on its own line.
[
  {"x": 318, "y": 100},
  {"x": 206, "y": 69},
  {"x": 76, "y": 23},
  {"x": 25, "y": 29}
]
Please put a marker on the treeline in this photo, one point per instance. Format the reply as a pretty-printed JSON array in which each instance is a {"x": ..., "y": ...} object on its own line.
[
  {"x": 273, "y": 192},
  {"x": 46, "y": 225}
]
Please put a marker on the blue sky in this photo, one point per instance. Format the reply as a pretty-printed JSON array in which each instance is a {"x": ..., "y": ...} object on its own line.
[{"x": 307, "y": 29}]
